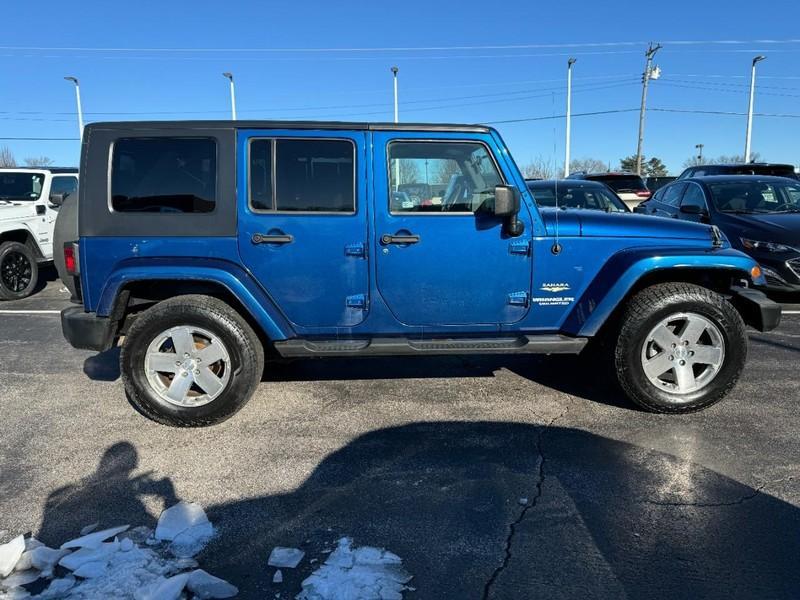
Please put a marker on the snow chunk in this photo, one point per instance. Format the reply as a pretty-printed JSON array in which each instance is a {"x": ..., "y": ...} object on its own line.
[
  {"x": 364, "y": 573},
  {"x": 79, "y": 558},
  {"x": 285, "y": 558},
  {"x": 58, "y": 587},
  {"x": 19, "y": 579},
  {"x": 10, "y": 554},
  {"x": 91, "y": 570},
  {"x": 43, "y": 558},
  {"x": 89, "y": 528},
  {"x": 204, "y": 586},
  {"x": 163, "y": 589},
  {"x": 191, "y": 541},
  {"x": 277, "y": 577},
  {"x": 93, "y": 540},
  {"x": 177, "y": 519}
]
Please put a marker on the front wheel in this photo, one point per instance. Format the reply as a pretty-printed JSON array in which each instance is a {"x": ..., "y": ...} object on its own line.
[
  {"x": 190, "y": 361},
  {"x": 681, "y": 348}
]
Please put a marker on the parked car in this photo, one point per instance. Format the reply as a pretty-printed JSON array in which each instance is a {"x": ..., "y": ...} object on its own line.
[
  {"x": 29, "y": 203},
  {"x": 207, "y": 245},
  {"x": 628, "y": 186},
  {"x": 760, "y": 215},
  {"x": 575, "y": 194},
  {"x": 656, "y": 183},
  {"x": 775, "y": 170}
]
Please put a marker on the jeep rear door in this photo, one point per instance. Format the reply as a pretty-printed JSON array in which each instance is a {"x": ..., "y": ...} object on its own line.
[
  {"x": 442, "y": 258},
  {"x": 303, "y": 222}
]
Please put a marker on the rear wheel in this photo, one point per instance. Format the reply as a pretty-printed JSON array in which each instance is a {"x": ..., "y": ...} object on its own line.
[
  {"x": 681, "y": 348},
  {"x": 19, "y": 272},
  {"x": 191, "y": 361}
]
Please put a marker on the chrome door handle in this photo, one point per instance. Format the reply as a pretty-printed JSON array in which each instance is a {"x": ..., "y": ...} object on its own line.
[
  {"x": 387, "y": 239},
  {"x": 261, "y": 238}
]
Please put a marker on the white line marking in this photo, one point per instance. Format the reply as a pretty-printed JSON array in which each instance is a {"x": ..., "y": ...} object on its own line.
[
  {"x": 791, "y": 312},
  {"x": 30, "y": 312}
]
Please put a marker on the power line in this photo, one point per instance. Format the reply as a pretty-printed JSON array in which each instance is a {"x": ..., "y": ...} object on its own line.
[
  {"x": 397, "y": 48},
  {"x": 551, "y": 117},
  {"x": 725, "y": 113}
]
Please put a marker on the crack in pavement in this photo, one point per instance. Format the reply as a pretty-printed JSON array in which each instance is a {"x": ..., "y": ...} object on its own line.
[
  {"x": 756, "y": 492},
  {"x": 512, "y": 529}
]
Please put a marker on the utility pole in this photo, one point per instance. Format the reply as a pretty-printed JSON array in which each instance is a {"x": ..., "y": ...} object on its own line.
[
  {"x": 649, "y": 73},
  {"x": 749, "y": 134},
  {"x": 699, "y": 148},
  {"x": 78, "y": 100},
  {"x": 570, "y": 62},
  {"x": 229, "y": 76}
]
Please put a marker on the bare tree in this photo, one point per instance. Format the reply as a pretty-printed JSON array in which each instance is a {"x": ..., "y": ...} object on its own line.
[
  {"x": 7, "y": 158},
  {"x": 540, "y": 168},
  {"x": 409, "y": 171},
  {"x": 445, "y": 171},
  {"x": 589, "y": 165},
  {"x": 39, "y": 161},
  {"x": 724, "y": 159}
]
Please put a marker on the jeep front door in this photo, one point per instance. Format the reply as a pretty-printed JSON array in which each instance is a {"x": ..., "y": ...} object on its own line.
[
  {"x": 442, "y": 257},
  {"x": 303, "y": 223}
]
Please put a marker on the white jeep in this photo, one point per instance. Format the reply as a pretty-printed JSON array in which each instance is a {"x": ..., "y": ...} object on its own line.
[{"x": 29, "y": 203}]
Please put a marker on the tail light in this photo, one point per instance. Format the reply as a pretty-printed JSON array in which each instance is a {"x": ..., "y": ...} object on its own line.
[
  {"x": 643, "y": 193},
  {"x": 71, "y": 257}
]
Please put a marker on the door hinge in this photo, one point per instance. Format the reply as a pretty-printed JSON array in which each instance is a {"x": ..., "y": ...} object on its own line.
[
  {"x": 358, "y": 250},
  {"x": 520, "y": 247},
  {"x": 518, "y": 298},
  {"x": 358, "y": 301}
]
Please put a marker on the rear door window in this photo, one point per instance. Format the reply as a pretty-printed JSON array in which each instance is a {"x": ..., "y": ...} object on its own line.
[
  {"x": 672, "y": 194},
  {"x": 164, "y": 175}
]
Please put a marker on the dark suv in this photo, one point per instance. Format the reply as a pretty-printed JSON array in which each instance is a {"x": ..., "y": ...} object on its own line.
[{"x": 774, "y": 170}]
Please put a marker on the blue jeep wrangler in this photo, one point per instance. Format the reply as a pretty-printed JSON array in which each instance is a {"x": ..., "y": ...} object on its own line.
[{"x": 205, "y": 246}]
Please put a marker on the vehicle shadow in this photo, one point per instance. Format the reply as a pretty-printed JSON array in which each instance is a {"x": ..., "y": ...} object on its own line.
[
  {"x": 103, "y": 366},
  {"x": 595, "y": 384},
  {"x": 602, "y": 518},
  {"x": 47, "y": 274}
]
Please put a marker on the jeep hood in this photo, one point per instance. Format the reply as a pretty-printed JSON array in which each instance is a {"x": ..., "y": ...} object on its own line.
[
  {"x": 595, "y": 223},
  {"x": 12, "y": 211}
]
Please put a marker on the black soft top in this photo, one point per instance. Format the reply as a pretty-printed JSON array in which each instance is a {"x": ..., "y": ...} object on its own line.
[{"x": 328, "y": 125}]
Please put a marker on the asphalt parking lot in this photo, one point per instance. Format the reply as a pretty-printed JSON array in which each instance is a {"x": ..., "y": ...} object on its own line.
[{"x": 491, "y": 477}]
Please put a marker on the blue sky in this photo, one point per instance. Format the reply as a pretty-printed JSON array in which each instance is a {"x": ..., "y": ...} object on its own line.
[{"x": 483, "y": 62}]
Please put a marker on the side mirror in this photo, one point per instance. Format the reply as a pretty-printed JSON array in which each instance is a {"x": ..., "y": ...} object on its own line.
[
  {"x": 506, "y": 201},
  {"x": 57, "y": 199},
  {"x": 506, "y": 205},
  {"x": 693, "y": 209}
]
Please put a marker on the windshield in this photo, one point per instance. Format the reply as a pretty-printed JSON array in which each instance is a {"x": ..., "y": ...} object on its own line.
[
  {"x": 756, "y": 197},
  {"x": 592, "y": 197},
  {"x": 621, "y": 183},
  {"x": 21, "y": 185}
]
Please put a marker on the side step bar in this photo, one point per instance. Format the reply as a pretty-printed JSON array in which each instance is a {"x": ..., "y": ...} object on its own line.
[{"x": 398, "y": 346}]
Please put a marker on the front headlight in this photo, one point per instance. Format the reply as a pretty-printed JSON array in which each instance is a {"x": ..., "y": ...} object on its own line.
[{"x": 765, "y": 246}]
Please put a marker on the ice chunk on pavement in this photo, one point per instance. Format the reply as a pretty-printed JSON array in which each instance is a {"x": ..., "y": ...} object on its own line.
[
  {"x": 191, "y": 541},
  {"x": 45, "y": 559},
  {"x": 89, "y": 528},
  {"x": 93, "y": 540},
  {"x": 10, "y": 554},
  {"x": 58, "y": 587},
  {"x": 177, "y": 519},
  {"x": 19, "y": 579},
  {"x": 126, "y": 545},
  {"x": 204, "y": 586},
  {"x": 286, "y": 558},
  {"x": 91, "y": 570},
  {"x": 86, "y": 555},
  {"x": 277, "y": 577},
  {"x": 357, "y": 574},
  {"x": 163, "y": 589},
  {"x": 32, "y": 543},
  {"x": 15, "y": 594}
]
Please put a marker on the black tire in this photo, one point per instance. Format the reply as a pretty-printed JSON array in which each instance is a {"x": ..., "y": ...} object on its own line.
[
  {"x": 19, "y": 272},
  {"x": 215, "y": 316},
  {"x": 650, "y": 307}
]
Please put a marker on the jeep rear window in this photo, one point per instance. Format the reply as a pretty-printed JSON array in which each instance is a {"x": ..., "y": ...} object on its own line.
[
  {"x": 302, "y": 175},
  {"x": 164, "y": 175},
  {"x": 21, "y": 186}
]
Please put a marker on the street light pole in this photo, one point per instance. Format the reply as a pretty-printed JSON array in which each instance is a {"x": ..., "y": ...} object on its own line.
[
  {"x": 229, "y": 76},
  {"x": 570, "y": 62},
  {"x": 699, "y": 148},
  {"x": 78, "y": 100},
  {"x": 748, "y": 136},
  {"x": 649, "y": 73}
]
